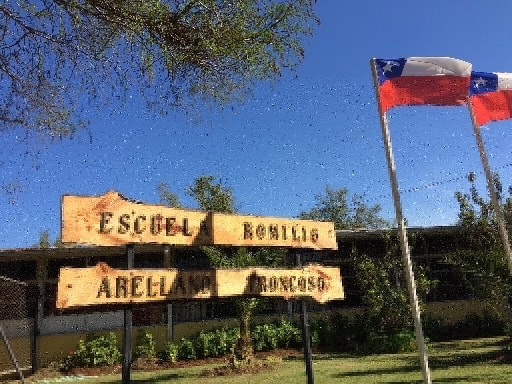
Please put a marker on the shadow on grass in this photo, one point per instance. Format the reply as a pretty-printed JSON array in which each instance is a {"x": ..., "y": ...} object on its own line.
[
  {"x": 491, "y": 357},
  {"x": 408, "y": 365}
]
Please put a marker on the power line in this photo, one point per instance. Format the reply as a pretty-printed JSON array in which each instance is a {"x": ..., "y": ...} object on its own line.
[{"x": 435, "y": 183}]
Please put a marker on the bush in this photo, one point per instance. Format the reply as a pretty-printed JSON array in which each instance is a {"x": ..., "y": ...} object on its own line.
[
  {"x": 336, "y": 332},
  {"x": 170, "y": 353},
  {"x": 223, "y": 340},
  {"x": 401, "y": 341},
  {"x": 472, "y": 325},
  {"x": 95, "y": 351},
  {"x": 204, "y": 345},
  {"x": 289, "y": 335},
  {"x": 264, "y": 337},
  {"x": 268, "y": 337},
  {"x": 145, "y": 345},
  {"x": 215, "y": 343},
  {"x": 186, "y": 350}
]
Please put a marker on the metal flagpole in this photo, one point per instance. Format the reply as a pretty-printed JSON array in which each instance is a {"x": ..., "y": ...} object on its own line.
[
  {"x": 491, "y": 188},
  {"x": 404, "y": 244}
]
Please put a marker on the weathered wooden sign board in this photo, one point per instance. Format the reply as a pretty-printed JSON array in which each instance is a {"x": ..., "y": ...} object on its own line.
[
  {"x": 104, "y": 285},
  {"x": 112, "y": 219}
]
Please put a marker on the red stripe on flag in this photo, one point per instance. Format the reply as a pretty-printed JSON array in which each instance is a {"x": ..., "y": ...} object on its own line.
[
  {"x": 418, "y": 90},
  {"x": 492, "y": 106}
]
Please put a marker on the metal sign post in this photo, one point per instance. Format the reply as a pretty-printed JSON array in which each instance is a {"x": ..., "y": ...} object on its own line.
[
  {"x": 306, "y": 335},
  {"x": 127, "y": 333}
]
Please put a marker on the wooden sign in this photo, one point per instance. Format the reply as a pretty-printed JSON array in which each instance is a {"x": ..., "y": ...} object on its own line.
[
  {"x": 104, "y": 285},
  {"x": 112, "y": 219},
  {"x": 268, "y": 231}
]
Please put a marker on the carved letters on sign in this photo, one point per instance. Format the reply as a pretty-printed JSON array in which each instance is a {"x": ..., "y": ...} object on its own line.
[
  {"x": 104, "y": 285},
  {"x": 112, "y": 219}
]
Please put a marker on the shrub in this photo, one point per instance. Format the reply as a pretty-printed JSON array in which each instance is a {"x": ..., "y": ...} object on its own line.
[
  {"x": 170, "y": 353},
  {"x": 215, "y": 343},
  {"x": 264, "y": 337},
  {"x": 224, "y": 339},
  {"x": 471, "y": 325},
  {"x": 268, "y": 337},
  {"x": 288, "y": 335},
  {"x": 401, "y": 341},
  {"x": 95, "y": 351},
  {"x": 336, "y": 332},
  {"x": 204, "y": 345},
  {"x": 145, "y": 345},
  {"x": 186, "y": 350}
]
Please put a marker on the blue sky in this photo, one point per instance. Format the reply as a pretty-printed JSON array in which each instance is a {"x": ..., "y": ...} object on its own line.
[{"x": 281, "y": 148}]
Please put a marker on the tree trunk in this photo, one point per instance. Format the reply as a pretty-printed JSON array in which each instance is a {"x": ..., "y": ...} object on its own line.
[{"x": 243, "y": 350}]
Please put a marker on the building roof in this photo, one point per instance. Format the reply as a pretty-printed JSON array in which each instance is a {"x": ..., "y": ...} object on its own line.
[{"x": 91, "y": 251}]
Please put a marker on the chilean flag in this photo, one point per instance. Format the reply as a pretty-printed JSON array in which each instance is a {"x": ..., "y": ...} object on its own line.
[
  {"x": 422, "y": 80},
  {"x": 491, "y": 96}
]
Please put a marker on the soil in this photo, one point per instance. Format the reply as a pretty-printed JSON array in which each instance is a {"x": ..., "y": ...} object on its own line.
[{"x": 263, "y": 361}]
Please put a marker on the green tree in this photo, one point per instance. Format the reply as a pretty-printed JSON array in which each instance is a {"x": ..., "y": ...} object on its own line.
[
  {"x": 45, "y": 242},
  {"x": 481, "y": 255},
  {"x": 379, "y": 277},
  {"x": 384, "y": 293},
  {"x": 167, "y": 197},
  {"x": 212, "y": 196},
  {"x": 44, "y": 239},
  {"x": 333, "y": 206},
  {"x": 60, "y": 57}
]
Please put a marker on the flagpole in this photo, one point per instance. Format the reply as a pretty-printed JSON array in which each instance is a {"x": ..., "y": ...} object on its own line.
[
  {"x": 491, "y": 188},
  {"x": 404, "y": 244}
]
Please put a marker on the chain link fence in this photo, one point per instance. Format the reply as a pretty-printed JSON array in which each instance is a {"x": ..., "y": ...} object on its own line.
[{"x": 16, "y": 326}]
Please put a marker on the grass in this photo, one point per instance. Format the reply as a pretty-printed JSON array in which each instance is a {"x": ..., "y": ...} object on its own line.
[{"x": 469, "y": 361}]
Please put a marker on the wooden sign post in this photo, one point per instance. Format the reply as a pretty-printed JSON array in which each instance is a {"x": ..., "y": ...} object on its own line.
[{"x": 112, "y": 219}]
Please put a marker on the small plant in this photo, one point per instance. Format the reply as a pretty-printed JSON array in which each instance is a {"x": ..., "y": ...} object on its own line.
[
  {"x": 170, "y": 353},
  {"x": 145, "y": 345},
  {"x": 268, "y": 337},
  {"x": 288, "y": 335},
  {"x": 204, "y": 345},
  {"x": 95, "y": 351},
  {"x": 186, "y": 350},
  {"x": 215, "y": 343}
]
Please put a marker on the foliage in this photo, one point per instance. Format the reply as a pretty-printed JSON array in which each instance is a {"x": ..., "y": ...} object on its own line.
[
  {"x": 186, "y": 350},
  {"x": 267, "y": 337},
  {"x": 145, "y": 345},
  {"x": 44, "y": 239},
  {"x": 215, "y": 343},
  {"x": 333, "y": 206},
  {"x": 167, "y": 197},
  {"x": 45, "y": 242},
  {"x": 335, "y": 331},
  {"x": 212, "y": 196},
  {"x": 386, "y": 324},
  {"x": 95, "y": 351},
  {"x": 472, "y": 325},
  {"x": 385, "y": 295},
  {"x": 397, "y": 342},
  {"x": 477, "y": 361},
  {"x": 481, "y": 254},
  {"x": 170, "y": 353},
  {"x": 59, "y": 57}
]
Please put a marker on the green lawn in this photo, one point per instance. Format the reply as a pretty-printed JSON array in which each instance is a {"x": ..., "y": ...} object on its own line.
[{"x": 470, "y": 361}]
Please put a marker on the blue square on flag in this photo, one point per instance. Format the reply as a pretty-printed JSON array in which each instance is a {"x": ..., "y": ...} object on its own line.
[
  {"x": 388, "y": 69},
  {"x": 482, "y": 82}
]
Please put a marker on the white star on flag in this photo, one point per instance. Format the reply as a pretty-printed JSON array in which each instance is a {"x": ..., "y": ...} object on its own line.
[
  {"x": 389, "y": 66},
  {"x": 480, "y": 81}
]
